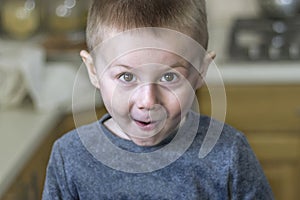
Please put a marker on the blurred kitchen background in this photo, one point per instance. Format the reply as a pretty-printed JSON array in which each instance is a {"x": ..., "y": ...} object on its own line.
[
  {"x": 258, "y": 55},
  {"x": 58, "y": 26}
]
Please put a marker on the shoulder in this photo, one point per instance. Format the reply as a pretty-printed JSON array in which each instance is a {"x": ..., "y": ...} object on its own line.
[
  {"x": 217, "y": 138},
  {"x": 215, "y": 129},
  {"x": 72, "y": 139},
  {"x": 68, "y": 160},
  {"x": 70, "y": 146}
]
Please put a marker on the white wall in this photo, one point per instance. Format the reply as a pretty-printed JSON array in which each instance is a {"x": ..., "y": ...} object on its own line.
[{"x": 221, "y": 14}]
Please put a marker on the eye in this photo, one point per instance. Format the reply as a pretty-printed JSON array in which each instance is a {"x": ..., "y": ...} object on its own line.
[
  {"x": 127, "y": 77},
  {"x": 169, "y": 77}
]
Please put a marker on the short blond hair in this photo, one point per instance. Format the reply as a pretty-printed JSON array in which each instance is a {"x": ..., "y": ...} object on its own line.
[{"x": 186, "y": 16}]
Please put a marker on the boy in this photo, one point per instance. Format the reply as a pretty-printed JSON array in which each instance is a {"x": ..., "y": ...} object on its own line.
[{"x": 147, "y": 146}]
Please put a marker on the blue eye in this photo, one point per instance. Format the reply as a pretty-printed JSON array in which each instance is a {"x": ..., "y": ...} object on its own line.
[
  {"x": 169, "y": 77},
  {"x": 127, "y": 77}
]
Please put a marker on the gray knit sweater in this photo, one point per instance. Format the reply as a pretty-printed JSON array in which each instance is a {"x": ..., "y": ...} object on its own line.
[{"x": 76, "y": 169}]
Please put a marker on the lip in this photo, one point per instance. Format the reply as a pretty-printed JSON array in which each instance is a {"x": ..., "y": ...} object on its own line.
[{"x": 146, "y": 126}]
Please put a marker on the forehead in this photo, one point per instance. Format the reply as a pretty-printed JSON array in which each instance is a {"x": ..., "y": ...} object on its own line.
[
  {"x": 149, "y": 56},
  {"x": 151, "y": 44}
]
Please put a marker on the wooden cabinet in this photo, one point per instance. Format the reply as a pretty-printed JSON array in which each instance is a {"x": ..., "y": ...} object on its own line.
[
  {"x": 29, "y": 183},
  {"x": 269, "y": 115}
]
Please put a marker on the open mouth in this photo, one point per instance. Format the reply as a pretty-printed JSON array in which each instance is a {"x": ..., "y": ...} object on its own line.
[
  {"x": 146, "y": 125},
  {"x": 149, "y": 123},
  {"x": 142, "y": 123}
]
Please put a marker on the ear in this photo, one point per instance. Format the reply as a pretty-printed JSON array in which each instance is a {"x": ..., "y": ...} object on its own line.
[
  {"x": 89, "y": 63},
  {"x": 209, "y": 57}
]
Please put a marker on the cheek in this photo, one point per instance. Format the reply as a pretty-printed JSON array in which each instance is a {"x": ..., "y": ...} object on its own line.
[
  {"x": 183, "y": 99},
  {"x": 114, "y": 99},
  {"x": 174, "y": 105},
  {"x": 107, "y": 93},
  {"x": 106, "y": 98}
]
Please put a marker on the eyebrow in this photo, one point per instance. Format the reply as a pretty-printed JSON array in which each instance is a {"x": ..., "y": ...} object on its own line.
[
  {"x": 173, "y": 66},
  {"x": 182, "y": 63}
]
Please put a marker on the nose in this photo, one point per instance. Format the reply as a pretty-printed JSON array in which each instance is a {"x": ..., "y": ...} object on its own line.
[{"x": 146, "y": 96}]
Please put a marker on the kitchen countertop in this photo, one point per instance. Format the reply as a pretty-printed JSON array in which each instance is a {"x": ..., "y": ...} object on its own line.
[
  {"x": 22, "y": 129},
  {"x": 260, "y": 72}
]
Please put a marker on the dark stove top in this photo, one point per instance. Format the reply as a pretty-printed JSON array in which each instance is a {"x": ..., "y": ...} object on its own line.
[{"x": 265, "y": 39}]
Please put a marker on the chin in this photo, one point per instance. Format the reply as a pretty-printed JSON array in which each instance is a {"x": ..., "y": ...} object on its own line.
[{"x": 145, "y": 142}]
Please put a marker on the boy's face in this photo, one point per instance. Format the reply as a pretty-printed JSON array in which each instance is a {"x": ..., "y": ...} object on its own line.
[{"x": 148, "y": 93}]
